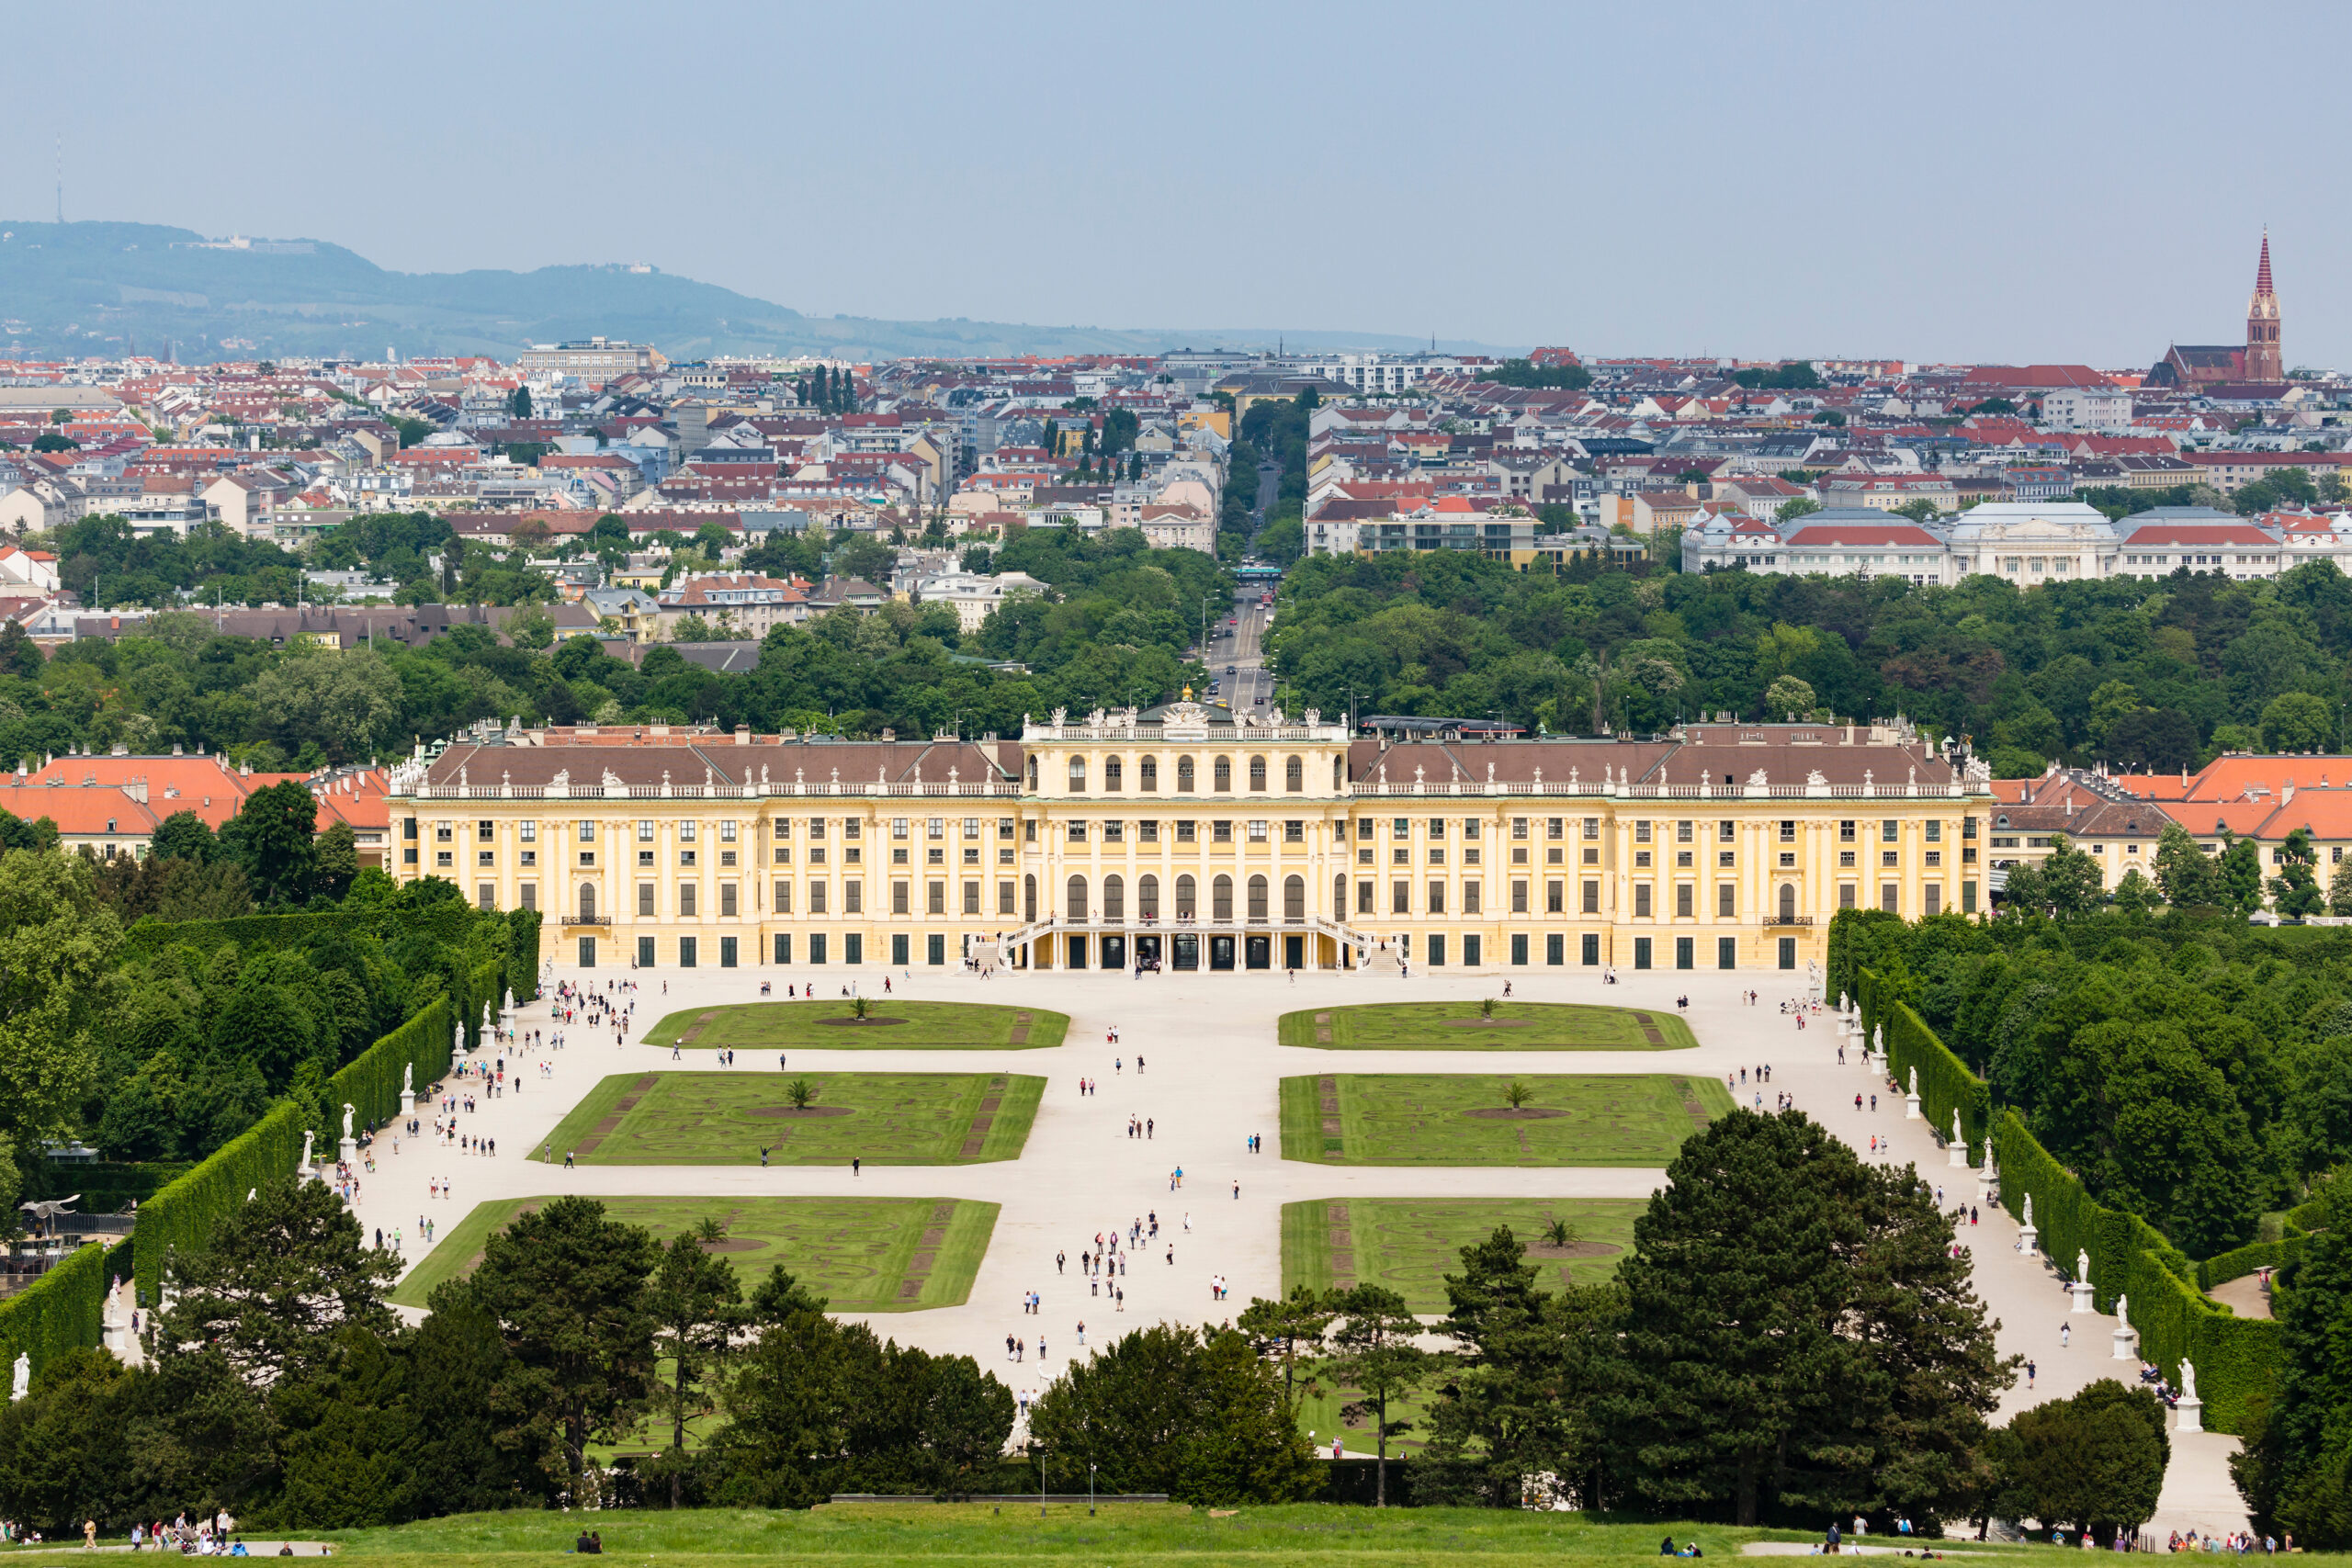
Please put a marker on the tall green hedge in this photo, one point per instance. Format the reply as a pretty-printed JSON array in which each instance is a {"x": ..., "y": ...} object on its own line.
[
  {"x": 1856, "y": 938},
  {"x": 151, "y": 935},
  {"x": 62, "y": 1309},
  {"x": 371, "y": 1082},
  {"x": 105, "y": 1185},
  {"x": 1945, "y": 1082},
  {"x": 2244, "y": 1261},
  {"x": 448, "y": 921},
  {"x": 522, "y": 954},
  {"x": 182, "y": 1216},
  {"x": 2236, "y": 1358}
]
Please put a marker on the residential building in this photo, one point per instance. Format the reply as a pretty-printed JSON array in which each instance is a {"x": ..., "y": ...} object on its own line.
[{"x": 741, "y": 605}]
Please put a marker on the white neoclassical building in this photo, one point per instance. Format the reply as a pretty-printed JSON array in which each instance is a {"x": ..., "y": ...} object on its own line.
[{"x": 2033, "y": 542}]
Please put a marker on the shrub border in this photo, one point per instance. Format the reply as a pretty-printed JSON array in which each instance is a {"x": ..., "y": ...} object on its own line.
[{"x": 62, "y": 1309}]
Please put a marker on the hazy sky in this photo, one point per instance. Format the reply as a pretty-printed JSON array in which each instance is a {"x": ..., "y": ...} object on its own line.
[{"x": 1978, "y": 181}]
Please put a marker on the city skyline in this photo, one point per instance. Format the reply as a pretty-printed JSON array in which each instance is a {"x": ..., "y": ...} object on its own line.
[{"x": 1298, "y": 172}]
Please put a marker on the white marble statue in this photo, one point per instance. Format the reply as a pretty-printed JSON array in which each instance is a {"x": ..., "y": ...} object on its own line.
[
  {"x": 1958, "y": 1136},
  {"x": 408, "y": 1078},
  {"x": 2082, "y": 1266},
  {"x": 2123, "y": 1312},
  {"x": 309, "y": 1137},
  {"x": 348, "y": 1110},
  {"x": 1914, "y": 1082},
  {"x": 2188, "y": 1378},
  {"x": 23, "y": 1382},
  {"x": 2029, "y": 1211}
]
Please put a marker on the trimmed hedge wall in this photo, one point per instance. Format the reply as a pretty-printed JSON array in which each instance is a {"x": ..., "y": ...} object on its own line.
[
  {"x": 1850, "y": 946},
  {"x": 105, "y": 1185},
  {"x": 150, "y": 935},
  {"x": 62, "y": 1309},
  {"x": 183, "y": 1215},
  {"x": 2237, "y": 1265},
  {"x": 522, "y": 956},
  {"x": 371, "y": 1083},
  {"x": 1945, "y": 1083},
  {"x": 2237, "y": 1358}
]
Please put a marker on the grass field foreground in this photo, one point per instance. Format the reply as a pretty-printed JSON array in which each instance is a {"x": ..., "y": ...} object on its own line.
[
  {"x": 862, "y": 1254},
  {"x": 825, "y": 1024},
  {"x": 889, "y": 1535},
  {"x": 1458, "y": 1118},
  {"x": 1461, "y": 1026},
  {"x": 727, "y": 1118}
]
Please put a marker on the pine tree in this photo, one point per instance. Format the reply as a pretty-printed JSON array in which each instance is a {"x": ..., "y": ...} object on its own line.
[
  {"x": 1376, "y": 1357},
  {"x": 1797, "y": 1334}
]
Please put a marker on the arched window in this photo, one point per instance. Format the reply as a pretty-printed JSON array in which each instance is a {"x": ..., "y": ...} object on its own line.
[
  {"x": 1788, "y": 901},
  {"x": 1113, "y": 775},
  {"x": 1029, "y": 897},
  {"x": 1078, "y": 775},
  {"x": 1115, "y": 899},
  {"x": 1294, "y": 774},
  {"x": 1033, "y": 775},
  {"x": 1224, "y": 781},
  {"x": 1148, "y": 775},
  {"x": 1221, "y": 899},
  {"x": 1339, "y": 895},
  {"x": 1338, "y": 774},
  {"x": 1076, "y": 905},
  {"x": 1256, "y": 897},
  {"x": 1183, "y": 775},
  {"x": 587, "y": 900},
  {"x": 1148, "y": 897},
  {"x": 1186, "y": 908},
  {"x": 1293, "y": 898},
  {"x": 1258, "y": 773}
]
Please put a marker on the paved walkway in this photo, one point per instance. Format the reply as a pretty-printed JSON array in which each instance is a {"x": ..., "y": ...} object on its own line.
[{"x": 1211, "y": 1081}]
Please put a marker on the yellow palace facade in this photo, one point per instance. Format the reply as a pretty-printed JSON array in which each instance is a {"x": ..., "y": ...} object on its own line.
[{"x": 1183, "y": 840}]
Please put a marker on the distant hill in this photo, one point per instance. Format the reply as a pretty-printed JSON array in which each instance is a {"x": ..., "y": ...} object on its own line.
[{"x": 104, "y": 288}]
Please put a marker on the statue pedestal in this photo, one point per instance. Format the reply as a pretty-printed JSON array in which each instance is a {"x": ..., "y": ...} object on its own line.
[
  {"x": 2030, "y": 1241},
  {"x": 351, "y": 1153},
  {"x": 2191, "y": 1413},
  {"x": 1958, "y": 1157},
  {"x": 2083, "y": 1293},
  {"x": 1911, "y": 1108},
  {"x": 2127, "y": 1345},
  {"x": 408, "y": 1104},
  {"x": 1877, "y": 1060}
]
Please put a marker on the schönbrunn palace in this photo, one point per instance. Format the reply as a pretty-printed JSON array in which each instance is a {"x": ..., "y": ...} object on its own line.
[{"x": 1183, "y": 839}]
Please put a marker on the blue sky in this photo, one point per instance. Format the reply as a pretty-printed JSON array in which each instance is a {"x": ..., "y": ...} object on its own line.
[{"x": 2072, "y": 182}]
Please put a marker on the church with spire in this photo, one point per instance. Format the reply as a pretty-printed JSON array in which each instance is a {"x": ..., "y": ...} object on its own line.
[{"x": 2255, "y": 370}]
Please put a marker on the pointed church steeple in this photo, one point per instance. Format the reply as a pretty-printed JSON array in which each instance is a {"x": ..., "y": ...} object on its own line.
[{"x": 2263, "y": 361}]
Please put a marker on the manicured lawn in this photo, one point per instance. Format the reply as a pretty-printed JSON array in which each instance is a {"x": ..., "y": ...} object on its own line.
[
  {"x": 822, "y": 1025},
  {"x": 888, "y": 1535},
  {"x": 862, "y": 1254},
  {"x": 1638, "y": 1118},
  {"x": 727, "y": 1118},
  {"x": 1410, "y": 1244},
  {"x": 1457, "y": 1026}
]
